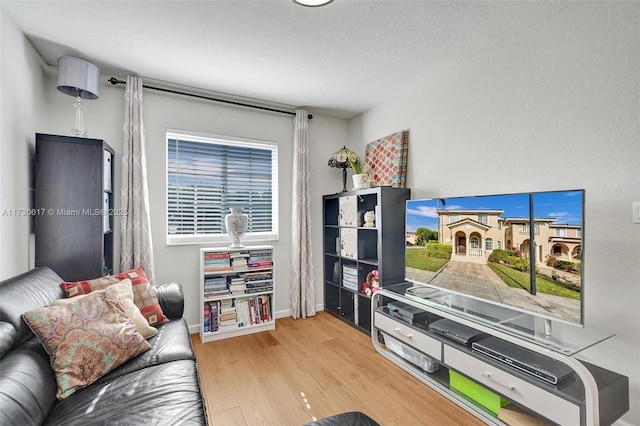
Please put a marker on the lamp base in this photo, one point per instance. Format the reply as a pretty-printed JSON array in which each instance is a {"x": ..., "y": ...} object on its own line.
[
  {"x": 79, "y": 130},
  {"x": 344, "y": 180}
]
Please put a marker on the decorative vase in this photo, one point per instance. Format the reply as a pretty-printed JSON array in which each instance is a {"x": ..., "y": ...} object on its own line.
[
  {"x": 360, "y": 181},
  {"x": 236, "y": 223}
]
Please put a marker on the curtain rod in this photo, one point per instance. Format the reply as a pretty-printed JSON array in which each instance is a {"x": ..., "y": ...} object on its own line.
[{"x": 116, "y": 81}]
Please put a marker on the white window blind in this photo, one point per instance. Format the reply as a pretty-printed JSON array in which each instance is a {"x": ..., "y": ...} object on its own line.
[{"x": 208, "y": 174}]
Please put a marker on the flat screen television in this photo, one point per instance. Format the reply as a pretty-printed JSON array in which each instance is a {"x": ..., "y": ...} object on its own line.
[{"x": 523, "y": 251}]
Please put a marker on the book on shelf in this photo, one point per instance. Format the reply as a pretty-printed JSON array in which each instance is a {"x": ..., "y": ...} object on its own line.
[
  {"x": 263, "y": 264},
  {"x": 238, "y": 291},
  {"x": 209, "y": 270},
  {"x": 217, "y": 260},
  {"x": 259, "y": 290},
  {"x": 254, "y": 276},
  {"x": 216, "y": 293},
  {"x": 259, "y": 253},
  {"x": 228, "y": 317},
  {"x": 239, "y": 254},
  {"x": 254, "y": 310},
  {"x": 238, "y": 264},
  {"x": 254, "y": 283},
  {"x": 213, "y": 255},
  {"x": 210, "y": 321}
]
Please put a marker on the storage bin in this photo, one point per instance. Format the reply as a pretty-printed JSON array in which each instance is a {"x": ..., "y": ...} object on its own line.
[
  {"x": 408, "y": 353},
  {"x": 483, "y": 396},
  {"x": 348, "y": 270},
  {"x": 350, "y": 278},
  {"x": 350, "y": 285}
]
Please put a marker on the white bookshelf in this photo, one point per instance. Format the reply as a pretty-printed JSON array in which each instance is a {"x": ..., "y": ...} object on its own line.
[{"x": 247, "y": 269}]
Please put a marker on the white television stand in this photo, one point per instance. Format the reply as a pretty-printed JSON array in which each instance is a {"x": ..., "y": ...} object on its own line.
[{"x": 589, "y": 396}]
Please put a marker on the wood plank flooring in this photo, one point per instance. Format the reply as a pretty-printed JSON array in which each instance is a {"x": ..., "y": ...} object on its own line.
[{"x": 312, "y": 368}]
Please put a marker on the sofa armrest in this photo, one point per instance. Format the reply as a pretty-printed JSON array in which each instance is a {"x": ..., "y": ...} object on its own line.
[{"x": 171, "y": 299}]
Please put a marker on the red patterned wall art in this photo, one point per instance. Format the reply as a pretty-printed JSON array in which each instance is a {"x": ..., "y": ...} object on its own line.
[{"x": 386, "y": 160}]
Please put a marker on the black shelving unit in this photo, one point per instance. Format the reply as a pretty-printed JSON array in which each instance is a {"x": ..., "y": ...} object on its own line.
[
  {"x": 348, "y": 243},
  {"x": 74, "y": 206}
]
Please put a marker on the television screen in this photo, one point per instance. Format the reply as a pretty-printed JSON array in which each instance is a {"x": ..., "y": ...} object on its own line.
[{"x": 524, "y": 251}]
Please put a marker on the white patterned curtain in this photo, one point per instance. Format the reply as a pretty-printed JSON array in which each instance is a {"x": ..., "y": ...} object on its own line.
[
  {"x": 136, "y": 250},
  {"x": 302, "y": 300}
]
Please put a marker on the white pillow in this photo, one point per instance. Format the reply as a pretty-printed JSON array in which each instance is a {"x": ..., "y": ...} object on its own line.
[{"x": 125, "y": 297}]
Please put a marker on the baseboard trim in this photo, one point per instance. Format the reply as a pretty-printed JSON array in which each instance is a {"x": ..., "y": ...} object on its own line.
[{"x": 195, "y": 328}]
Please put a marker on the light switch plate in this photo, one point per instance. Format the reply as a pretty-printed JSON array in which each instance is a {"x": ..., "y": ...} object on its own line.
[{"x": 636, "y": 211}]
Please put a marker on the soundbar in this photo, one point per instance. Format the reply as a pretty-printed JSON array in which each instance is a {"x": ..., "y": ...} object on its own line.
[{"x": 529, "y": 362}]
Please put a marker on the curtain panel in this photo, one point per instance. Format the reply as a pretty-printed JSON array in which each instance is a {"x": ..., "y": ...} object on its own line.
[
  {"x": 136, "y": 249},
  {"x": 302, "y": 300}
]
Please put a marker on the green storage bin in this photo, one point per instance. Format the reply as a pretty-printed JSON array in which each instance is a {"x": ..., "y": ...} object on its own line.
[{"x": 477, "y": 392}]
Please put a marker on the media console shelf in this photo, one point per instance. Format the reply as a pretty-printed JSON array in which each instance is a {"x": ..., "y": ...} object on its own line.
[{"x": 587, "y": 395}]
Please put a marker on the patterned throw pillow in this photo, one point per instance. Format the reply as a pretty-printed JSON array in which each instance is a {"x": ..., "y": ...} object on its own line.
[
  {"x": 125, "y": 297},
  {"x": 143, "y": 294},
  {"x": 86, "y": 339}
]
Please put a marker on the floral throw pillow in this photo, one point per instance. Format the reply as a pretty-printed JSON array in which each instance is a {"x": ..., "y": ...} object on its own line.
[
  {"x": 86, "y": 339},
  {"x": 125, "y": 297},
  {"x": 143, "y": 294}
]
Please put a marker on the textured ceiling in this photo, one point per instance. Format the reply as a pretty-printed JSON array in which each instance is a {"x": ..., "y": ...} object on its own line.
[{"x": 341, "y": 59}]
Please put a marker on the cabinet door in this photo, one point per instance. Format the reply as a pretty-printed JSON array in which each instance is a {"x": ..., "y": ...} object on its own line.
[
  {"x": 364, "y": 311},
  {"x": 332, "y": 298},
  {"x": 536, "y": 398},
  {"x": 348, "y": 211},
  {"x": 349, "y": 243},
  {"x": 347, "y": 304}
]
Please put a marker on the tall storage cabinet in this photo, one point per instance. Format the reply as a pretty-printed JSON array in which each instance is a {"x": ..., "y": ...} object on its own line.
[
  {"x": 354, "y": 248},
  {"x": 74, "y": 206}
]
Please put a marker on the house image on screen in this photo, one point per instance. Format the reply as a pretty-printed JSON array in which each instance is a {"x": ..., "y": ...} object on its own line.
[{"x": 474, "y": 234}]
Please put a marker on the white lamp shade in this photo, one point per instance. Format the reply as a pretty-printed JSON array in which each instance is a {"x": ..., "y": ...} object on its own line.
[
  {"x": 78, "y": 78},
  {"x": 312, "y": 3}
]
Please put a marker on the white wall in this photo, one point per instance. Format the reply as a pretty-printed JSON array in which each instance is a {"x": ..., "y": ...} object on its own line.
[
  {"x": 104, "y": 119},
  {"x": 32, "y": 104},
  {"x": 554, "y": 107},
  {"x": 23, "y": 107}
]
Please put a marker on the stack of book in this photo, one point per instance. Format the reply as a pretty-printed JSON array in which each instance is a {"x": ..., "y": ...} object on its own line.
[
  {"x": 253, "y": 310},
  {"x": 227, "y": 314},
  {"x": 257, "y": 282},
  {"x": 260, "y": 259},
  {"x": 216, "y": 262},
  {"x": 239, "y": 260},
  {"x": 215, "y": 285},
  {"x": 236, "y": 285}
]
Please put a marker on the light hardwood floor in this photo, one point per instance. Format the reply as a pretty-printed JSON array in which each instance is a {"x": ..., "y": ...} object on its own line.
[{"x": 312, "y": 368}]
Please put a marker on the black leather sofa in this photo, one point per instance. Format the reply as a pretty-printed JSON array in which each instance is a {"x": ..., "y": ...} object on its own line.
[{"x": 158, "y": 387}]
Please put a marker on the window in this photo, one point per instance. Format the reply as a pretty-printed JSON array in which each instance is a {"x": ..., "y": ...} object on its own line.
[
  {"x": 561, "y": 232},
  {"x": 488, "y": 244},
  {"x": 579, "y": 232},
  {"x": 500, "y": 244},
  {"x": 208, "y": 174},
  {"x": 483, "y": 218},
  {"x": 474, "y": 242},
  {"x": 454, "y": 217}
]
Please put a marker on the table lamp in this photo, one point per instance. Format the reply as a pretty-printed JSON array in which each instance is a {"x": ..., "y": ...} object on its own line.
[
  {"x": 78, "y": 78},
  {"x": 340, "y": 159}
]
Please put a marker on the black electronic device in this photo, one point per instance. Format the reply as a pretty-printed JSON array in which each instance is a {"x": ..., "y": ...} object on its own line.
[
  {"x": 455, "y": 331},
  {"x": 525, "y": 360},
  {"x": 410, "y": 314}
]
